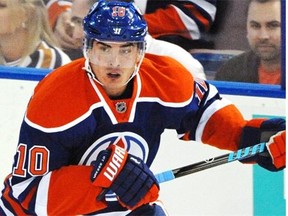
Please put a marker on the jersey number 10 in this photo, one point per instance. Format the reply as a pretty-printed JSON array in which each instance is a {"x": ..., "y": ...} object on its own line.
[{"x": 38, "y": 161}]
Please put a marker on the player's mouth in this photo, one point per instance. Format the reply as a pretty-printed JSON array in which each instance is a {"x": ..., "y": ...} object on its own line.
[{"x": 114, "y": 74}]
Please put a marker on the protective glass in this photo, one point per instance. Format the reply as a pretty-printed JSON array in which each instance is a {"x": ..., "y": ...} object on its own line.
[{"x": 124, "y": 54}]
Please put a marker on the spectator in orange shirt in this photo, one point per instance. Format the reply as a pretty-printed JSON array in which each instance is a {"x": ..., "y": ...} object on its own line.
[{"x": 262, "y": 64}]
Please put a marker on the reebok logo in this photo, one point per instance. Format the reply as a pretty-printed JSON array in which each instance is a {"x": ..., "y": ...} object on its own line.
[{"x": 115, "y": 163}]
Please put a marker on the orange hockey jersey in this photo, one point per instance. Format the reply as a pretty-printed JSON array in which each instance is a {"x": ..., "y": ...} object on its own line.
[{"x": 70, "y": 119}]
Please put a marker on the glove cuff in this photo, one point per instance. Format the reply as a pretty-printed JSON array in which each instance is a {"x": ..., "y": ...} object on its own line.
[
  {"x": 111, "y": 166},
  {"x": 251, "y": 135},
  {"x": 260, "y": 130}
]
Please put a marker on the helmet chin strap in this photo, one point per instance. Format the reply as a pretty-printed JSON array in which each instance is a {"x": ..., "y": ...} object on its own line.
[{"x": 87, "y": 67}]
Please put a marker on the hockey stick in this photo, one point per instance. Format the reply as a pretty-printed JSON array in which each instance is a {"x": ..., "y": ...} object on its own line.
[
  {"x": 241, "y": 154},
  {"x": 169, "y": 175}
]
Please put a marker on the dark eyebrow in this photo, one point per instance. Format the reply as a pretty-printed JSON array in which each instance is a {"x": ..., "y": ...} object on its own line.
[
  {"x": 103, "y": 44},
  {"x": 128, "y": 44},
  {"x": 122, "y": 46}
]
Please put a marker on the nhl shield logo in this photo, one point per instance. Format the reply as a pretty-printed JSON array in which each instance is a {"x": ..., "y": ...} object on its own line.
[{"x": 121, "y": 107}]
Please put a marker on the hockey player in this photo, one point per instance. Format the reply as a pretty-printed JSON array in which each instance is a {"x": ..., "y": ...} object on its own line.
[{"x": 96, "y": 123}]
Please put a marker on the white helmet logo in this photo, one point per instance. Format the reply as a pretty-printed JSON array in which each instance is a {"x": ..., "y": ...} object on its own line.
[{"x": 117, "y": 31}]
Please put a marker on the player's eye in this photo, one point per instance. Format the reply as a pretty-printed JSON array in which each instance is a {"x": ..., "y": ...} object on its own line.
[
  {"x": 104, "y": 48},
  {"x": 126, "y": 50}
]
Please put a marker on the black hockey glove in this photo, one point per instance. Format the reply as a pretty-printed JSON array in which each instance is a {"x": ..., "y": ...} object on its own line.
[{"x": 271, "y": 131}]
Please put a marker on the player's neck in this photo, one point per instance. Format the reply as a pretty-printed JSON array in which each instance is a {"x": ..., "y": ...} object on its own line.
[{"x": 127, "y": 93}]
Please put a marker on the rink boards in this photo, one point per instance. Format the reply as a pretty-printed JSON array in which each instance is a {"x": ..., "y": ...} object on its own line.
[{"x": 230, "y": 189}]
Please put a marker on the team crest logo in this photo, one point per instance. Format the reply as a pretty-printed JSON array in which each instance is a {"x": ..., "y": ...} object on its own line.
[
  {"x": 121, "y": 107},
  {"x": 130, "y": 141}
]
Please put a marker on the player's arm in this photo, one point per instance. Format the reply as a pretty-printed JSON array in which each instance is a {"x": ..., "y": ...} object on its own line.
[
  {"x": 185, "y": 18},
  {"x": 66, "y": 191},
  {"x": 43, "y": 181},
  {"x": 233, "y": 132},
  {"x": 213, "y": 120},
  {"x": 220, "y": 123},
  {"x": 74, "y": 190}
]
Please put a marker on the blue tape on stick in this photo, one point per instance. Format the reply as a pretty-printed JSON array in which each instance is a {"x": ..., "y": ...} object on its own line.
[{"x": 165, "y": 176}]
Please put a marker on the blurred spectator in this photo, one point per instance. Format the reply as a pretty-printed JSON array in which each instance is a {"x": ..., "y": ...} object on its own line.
[
  {"x": 59, "y": 13},
  {"x": 79, "y": 10},
  {"x": 262, "y": 64},
  {"x": 176, "y": 21},
  {"x": 26, "y": 39}
]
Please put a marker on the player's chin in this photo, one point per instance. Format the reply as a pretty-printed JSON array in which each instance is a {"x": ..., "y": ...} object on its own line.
[{"x": 115, "y": 83}]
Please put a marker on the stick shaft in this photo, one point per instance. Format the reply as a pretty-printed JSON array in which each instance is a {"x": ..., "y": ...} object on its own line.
[
  {"x": 203, "y": 165},
  {"x": 212, "y": 162}
]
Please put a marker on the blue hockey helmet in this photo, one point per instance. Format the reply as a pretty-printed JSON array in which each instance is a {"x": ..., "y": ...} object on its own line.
[{"x": 114, "y": 21}]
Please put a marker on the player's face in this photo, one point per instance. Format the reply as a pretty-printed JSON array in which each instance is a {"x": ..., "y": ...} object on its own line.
[
  {"x": 113, "y": 64},
  {"x": 264, "y": 30}
]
